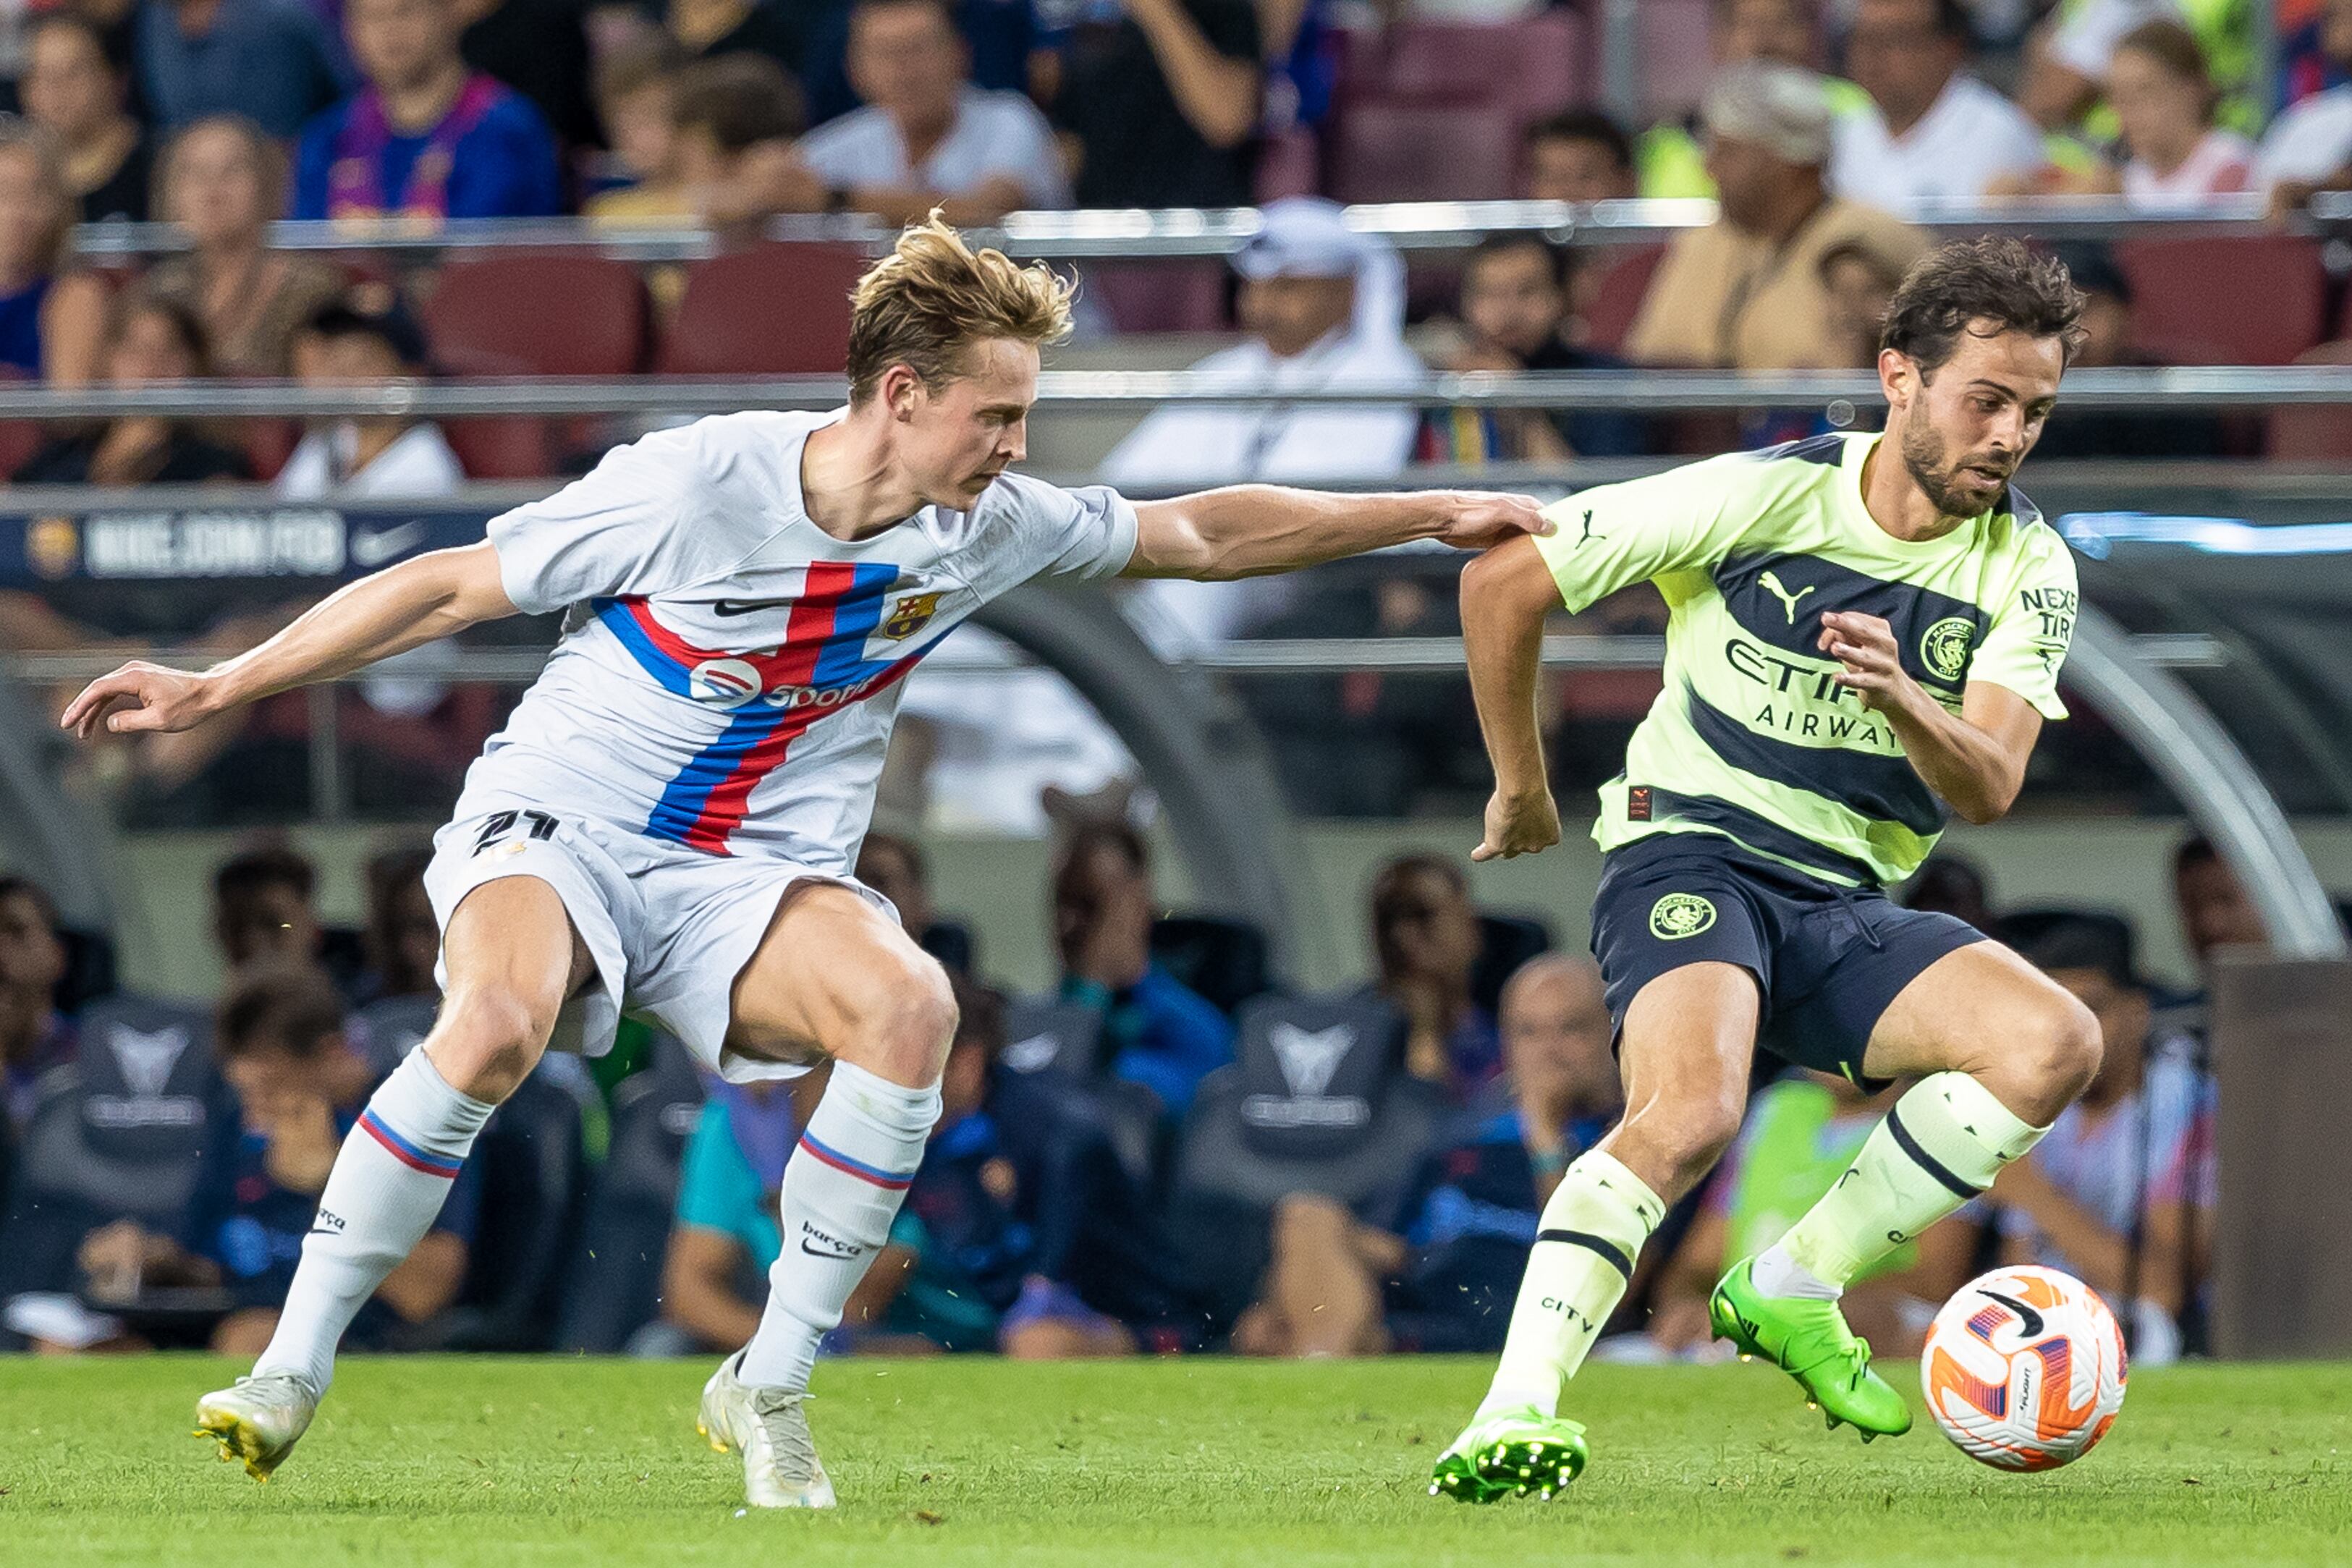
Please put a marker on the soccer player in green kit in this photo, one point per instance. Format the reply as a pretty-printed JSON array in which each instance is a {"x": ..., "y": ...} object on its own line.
[{"x": 1864, "y": 637}]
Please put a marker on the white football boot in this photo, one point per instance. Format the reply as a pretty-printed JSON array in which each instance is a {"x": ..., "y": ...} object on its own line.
[
  {"x": 258, "y": 1419},
  {"x": 769, "y": 1427}
]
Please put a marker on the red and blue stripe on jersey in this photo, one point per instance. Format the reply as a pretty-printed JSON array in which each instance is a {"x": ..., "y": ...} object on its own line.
[{"x": 838, "y": 608}]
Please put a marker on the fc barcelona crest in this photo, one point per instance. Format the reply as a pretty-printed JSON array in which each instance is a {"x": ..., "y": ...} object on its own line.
[{"x": 910, "y": 615}]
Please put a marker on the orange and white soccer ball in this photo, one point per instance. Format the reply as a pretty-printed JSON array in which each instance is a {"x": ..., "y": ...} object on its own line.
[{"x": 2024, "y": 1369}]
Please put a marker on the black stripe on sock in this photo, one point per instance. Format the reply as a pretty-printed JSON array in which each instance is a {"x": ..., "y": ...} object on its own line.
[
  {"x": 1926, "y": 1161},
  {"x": 1610, "y": 1251}
]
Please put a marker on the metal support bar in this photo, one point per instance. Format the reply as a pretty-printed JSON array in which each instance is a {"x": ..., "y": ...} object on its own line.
[
  {"x": 2225, "y": 797},
  {"x": 1138, "y": 391}
]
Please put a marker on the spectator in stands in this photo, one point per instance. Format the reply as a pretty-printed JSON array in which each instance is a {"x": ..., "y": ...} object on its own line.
[
  {"x": 734, "y": 119},
  {"x": 1425, "y": 938},
  {"x": 149, "y": 340},
  {"x": 1955, "y": 885},
  {"x": 300, "y": 1086},
  {"x": 896, "y": 868},
  {"x": 1324, "y": 308},
  {"x": 964, "y": 1269},
  {"x": 1438, "y": 1271},
  {"x": 271, "y": 60},
  {"x": 2214, "y": 910},
  {"x": 540, "y": 48},
  {"x": 927, "y": 138},
  {"x": 382, "y": 456},
  {"x": 52, "y": 318},
  {"x": 2069, "y": 64},
  {"x": 76, "y": 90},
  {"x": 262, "y": 911},
  {"x": 2108, "y": 340},
  {"x": 1516, "y": 310},
  {"x": 1155, "y": 1031},
  {"x": 222, "y": 180},
  {"x": 2308, "y": 148},
  {"x": 2119, "y": 1192},
  {"x": 636, "y": 89},
  {"x": 426, "y": 139},
  {"x": 1745, "y": 292},
  {"x": 2165, "y": 99},
  {"x": 402, "y": 939},
  {"x": 1933, "y": 133},
  {"x": 707, "y": 29},
  {"x": 1744, "y": 32},
  {"x": 1578, "y": 155},
  {"x": 1797, "y": 1138},
  {"x": 1860, "y": 284},
  {"x": 34, "y": 1036},
  {"x": 1162, "y": 98},
  {"x": 2311, "y": 51}
]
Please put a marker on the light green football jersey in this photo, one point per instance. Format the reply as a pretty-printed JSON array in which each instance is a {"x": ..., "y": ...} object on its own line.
[{"x": 1752, "y": 737}]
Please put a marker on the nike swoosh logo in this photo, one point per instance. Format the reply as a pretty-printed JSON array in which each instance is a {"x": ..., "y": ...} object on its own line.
[
  {"x": 734, "y": 607},
  {"x": 373, "y": 547},
  {"x": 2028, "y": 1318},
  {"x": 828, "y": 1252}
]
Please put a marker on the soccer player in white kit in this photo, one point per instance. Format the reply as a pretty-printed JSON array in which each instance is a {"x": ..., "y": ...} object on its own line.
[{"x": 667, "y": 824}]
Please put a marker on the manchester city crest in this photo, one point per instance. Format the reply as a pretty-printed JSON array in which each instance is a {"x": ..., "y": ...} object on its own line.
[{"x": 1945, "y": 649}]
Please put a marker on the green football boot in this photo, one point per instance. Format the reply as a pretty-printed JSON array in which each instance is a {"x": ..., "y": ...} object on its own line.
[
  {"x": 1510, "y": 1454},
  {"x": 1810, "y": 1342}
]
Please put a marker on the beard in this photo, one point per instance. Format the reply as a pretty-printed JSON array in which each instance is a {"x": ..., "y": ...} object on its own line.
[{"x": 1942, "y": 482}]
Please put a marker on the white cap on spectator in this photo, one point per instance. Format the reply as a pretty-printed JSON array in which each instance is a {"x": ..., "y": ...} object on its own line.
[
  {"x": 1304, "y": 236},
  {"x": 1779, "y": 108}
]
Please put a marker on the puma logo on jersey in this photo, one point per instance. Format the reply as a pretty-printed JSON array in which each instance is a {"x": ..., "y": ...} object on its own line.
[{"x": 1770, "y": 583}]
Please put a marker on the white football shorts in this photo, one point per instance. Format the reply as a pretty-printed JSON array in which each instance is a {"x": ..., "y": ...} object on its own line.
[{"x": 669, "y": 927}]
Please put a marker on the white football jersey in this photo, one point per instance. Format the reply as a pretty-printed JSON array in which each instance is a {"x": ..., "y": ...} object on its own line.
[{"x": 728, "y": 671}]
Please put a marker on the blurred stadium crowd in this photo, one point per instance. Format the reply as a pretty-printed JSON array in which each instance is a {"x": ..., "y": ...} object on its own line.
[{"x": 1167, "y": 1154}]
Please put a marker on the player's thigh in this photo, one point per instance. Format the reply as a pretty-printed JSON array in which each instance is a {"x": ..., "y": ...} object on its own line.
[
  {"x": 1686, "y": 1049},
  {"x": 835, "y": 976},
  {"x": 510, "y": 957},
  {"x": 1983, "y": 1010}
]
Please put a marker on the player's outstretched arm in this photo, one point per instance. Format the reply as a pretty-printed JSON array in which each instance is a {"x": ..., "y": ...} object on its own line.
[
  {"x": 1250, "y": 530},
  {"x": 427, "y": 597},
  {"x": 1506, "y": 595}
]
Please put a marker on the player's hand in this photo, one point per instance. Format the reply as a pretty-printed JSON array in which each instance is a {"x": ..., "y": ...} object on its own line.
[
  {"x": 1873, "y": 670},
  {"x": 1518, "y": 825},
  {"x": 140, "y": 697},
  {"x": 1480, "y": 519}
]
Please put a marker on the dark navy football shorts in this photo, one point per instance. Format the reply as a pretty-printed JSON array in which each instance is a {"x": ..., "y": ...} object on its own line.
[{"x": 1828, "y": 959}]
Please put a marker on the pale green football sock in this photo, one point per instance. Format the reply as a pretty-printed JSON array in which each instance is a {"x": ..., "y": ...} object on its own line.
[
  {"x": 1590, "y": 1234},
  {"x": 1940, "y": 1146}
]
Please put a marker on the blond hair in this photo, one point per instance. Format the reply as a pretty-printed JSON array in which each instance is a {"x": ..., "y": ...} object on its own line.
[{"x": 934, "y": 296}]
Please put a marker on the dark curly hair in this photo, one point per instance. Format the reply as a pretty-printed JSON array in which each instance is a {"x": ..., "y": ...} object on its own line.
[{"x": 1994, "y": 279}]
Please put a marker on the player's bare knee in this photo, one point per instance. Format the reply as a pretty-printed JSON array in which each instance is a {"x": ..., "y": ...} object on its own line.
[
  {"x": 909, "y": 1031},
  {"x": 487, "y": 1041},
  {"x": 1680, "y": 1137},
  {"x": 2072, "y": 1050}
]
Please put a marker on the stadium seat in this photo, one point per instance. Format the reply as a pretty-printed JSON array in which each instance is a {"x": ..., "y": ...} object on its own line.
[
  {"x": 513, "y": 446},
  {"x": 1406, "y": 151},
  {"x": 117, "y": 1135},
  {"x": 1220, "y": 959},
  {"x": 2313, "y": 432},
  {"x": 2246, "y": 301},
  {"x": 537, "y": 315},
  {"x": 1621, "y": 277},
  {"x": 613, "y": 1286},
  {"x": 1044, "y": 1034},
  {"x": 773, "y": 309},
  {"x": 1505, "y": 942},
  {"x": 1290, "y": 163},
  {"x": 1317, "y": 1100},
  {"x": 1532, "y": 66},
  {"x": 1158, "y": 295},
  {"x": 1677, "y": 55},
  {"x": 389, "y": 1030},
  {"x": 533, "y": 1170}
]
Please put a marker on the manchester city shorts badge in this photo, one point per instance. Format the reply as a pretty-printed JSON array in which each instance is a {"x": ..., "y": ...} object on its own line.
[{"x": 1680, "y": 915}]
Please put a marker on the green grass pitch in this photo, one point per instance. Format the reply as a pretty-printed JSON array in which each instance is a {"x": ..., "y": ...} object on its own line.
[{"x": 513, "y": 1462}]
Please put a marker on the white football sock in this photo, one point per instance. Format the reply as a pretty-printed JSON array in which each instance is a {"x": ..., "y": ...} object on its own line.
[
  {"x": 842, "y": 1189},
  {"x": 383, "y": 1196},
  {"x": 1777, "y": 1274},
  {"x": 1589, "y": 1237}
]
